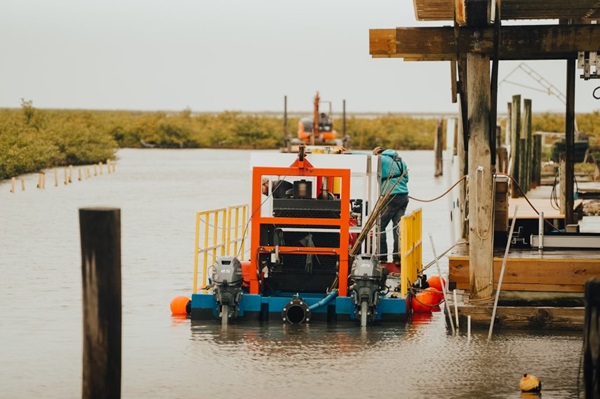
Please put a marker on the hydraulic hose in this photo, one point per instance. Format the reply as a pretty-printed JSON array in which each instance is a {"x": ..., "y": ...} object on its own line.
[{"x": 325, "y": 300}]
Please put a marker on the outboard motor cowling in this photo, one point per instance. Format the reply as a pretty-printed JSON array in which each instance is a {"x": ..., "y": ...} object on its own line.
[
  {"x": 227, "y": 281},
  {"x": 368, "y": 279}
]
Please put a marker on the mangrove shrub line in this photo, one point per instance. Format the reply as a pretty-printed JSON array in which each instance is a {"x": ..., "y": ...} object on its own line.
[{"x": 33, "y": 139}]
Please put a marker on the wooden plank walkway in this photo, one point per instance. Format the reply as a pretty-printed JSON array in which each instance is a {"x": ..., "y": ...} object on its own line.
[
  {"x": 532, "y": 270},
  {"x": 544, "y": 205}
]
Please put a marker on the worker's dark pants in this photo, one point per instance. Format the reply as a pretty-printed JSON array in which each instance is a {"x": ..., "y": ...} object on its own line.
[{"x": 393, "y": 211}]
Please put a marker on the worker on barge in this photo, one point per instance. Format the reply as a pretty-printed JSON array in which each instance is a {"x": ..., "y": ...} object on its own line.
[{"x": 394, "y": 183}]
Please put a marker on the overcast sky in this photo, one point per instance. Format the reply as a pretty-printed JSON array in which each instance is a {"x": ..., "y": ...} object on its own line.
[{"x": 246, "y": 55}]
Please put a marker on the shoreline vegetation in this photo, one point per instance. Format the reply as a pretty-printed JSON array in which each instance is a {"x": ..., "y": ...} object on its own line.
[{"x": 33, "y": 139}]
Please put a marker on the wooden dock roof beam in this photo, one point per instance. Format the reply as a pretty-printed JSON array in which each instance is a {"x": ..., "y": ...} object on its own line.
[
  {"x": 443, "y": 10},
  {"x": 531, "y": 42}
]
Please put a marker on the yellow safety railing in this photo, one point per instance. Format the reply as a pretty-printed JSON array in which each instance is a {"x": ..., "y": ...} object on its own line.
[
  {"x": 218, "y": 232},
  {"x": 411, "y": 249}
]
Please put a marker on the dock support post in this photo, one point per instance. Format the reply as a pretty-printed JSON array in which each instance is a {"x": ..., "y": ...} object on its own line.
[
  {"x": 527, "y": 125},
  {"x": 591, "y": 339},
  {"x": 515, "y": 142},
  {"x": 570, "y": 143},
  {"x": 481, "y": 229},
  {"x": 536, "y": 174},
  {"x": 100, "y": 230},
  {"x": 461, "y": 156},
  {"x": 438, "y": 148}
]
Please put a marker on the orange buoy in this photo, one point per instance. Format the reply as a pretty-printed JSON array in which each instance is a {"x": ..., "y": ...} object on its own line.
[
  {"x": 424, "y": 301},
  {"x": 437, "y": 295},
  {"x": 436, "y": 282},
  {"x": 530, "y": 383},
  {"x": 180, "y": 305}
]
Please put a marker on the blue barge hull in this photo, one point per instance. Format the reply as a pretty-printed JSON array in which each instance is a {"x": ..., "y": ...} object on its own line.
[{"x": 258, "y": 307}]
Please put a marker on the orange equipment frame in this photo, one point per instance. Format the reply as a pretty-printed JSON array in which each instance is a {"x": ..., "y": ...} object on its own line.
[{"x": 301, "y": 167}]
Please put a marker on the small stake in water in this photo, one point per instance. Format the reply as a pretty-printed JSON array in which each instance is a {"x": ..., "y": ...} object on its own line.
[
  {"x": 443, "y": 285},
  {"x": 469, "y": 328},
  {"x": 512, "y": 228}
]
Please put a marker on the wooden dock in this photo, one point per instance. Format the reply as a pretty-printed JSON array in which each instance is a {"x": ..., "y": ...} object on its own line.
[{"x": 540, "y": 289}]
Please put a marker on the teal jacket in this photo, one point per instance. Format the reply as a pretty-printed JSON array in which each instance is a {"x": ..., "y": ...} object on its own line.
[{"x": 392, "y": 167}]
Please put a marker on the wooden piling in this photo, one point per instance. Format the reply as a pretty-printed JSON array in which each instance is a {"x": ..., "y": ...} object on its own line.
[
  {"x": 70, "y": 173},
  {"x": 438, "y": 148},
  {"x": 55, "y": 178},
  {"x": 100, "y": 230},
  {"x": 501, "y": 152},
  {"x": 100, "y": 167},
  {"x": 515, "y": 142},
  {"x": 481, "y": 231},
  {"x": 66, "y": 176},
  {"x": 591, "y": 339},
  {"x": 570, "y": 142},
  {"x": 41, "y": 180},
  {"x": 12, "y": 185},
  {"x": 22, "y": 184},
  {"x": 536, "y": 175},
  {"x": 507, "y": 136},
  {"x": 562, "y": 182},
  {"x": 522, "y": 166},
  {"x": 528, "y": 135},
  {"x": 463, "y": 228}
]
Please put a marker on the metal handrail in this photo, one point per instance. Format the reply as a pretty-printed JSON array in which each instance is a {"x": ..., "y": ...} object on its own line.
[
  {"x": 221, "y": 231},
  {"x": 411, "y": 249}
]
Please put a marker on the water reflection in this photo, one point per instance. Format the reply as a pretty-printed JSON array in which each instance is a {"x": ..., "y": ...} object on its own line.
[{"x": 288, "y": 339}]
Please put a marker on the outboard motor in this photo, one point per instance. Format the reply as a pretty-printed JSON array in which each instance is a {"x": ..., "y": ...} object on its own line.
[
  {"x": 227, "y": 281},
  {"x": 368, "y": 280}
]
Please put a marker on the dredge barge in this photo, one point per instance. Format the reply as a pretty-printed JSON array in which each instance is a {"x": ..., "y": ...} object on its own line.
[{"x": 306, "y": 253}]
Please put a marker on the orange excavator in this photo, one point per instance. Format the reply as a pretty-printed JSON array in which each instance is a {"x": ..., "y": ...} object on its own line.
[{"x": 318, "y": 130}]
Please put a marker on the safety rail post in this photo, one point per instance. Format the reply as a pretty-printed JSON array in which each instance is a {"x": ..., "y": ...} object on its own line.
[
  {"x": 196, "y": 253},
  {"x": 235, "y": 228},
  {"x": 411, "y": 249},
  {"x": 218, "y": 240}
]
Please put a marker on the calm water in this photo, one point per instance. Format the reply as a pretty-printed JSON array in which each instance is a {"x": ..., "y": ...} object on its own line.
[{"x": 158, "y": 192}]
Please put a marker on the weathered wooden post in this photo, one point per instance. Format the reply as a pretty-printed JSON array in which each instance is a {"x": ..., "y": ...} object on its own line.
[
  {"x": 536, "y": 175},
  {"x": 501, "y": 153},
  {"x": 591, "y": 340},
  {"x": 515, "y": 142},
  {"x": 528, "y": 143},
  {"x": 507, "y": 137},
  {"x": 562, "y": 182},
  {"x": 438, "y": 148},
  {"x": 462, "y": 154},
  {"x": 100, "y": 230},
  {"x": 569, "y": 190},
  {"x": 481, "y": 229},
  {"x": 522, "y": 167}
]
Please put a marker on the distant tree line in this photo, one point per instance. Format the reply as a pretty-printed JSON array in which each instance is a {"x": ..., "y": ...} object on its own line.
[{"x": 32, "y": 139}]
